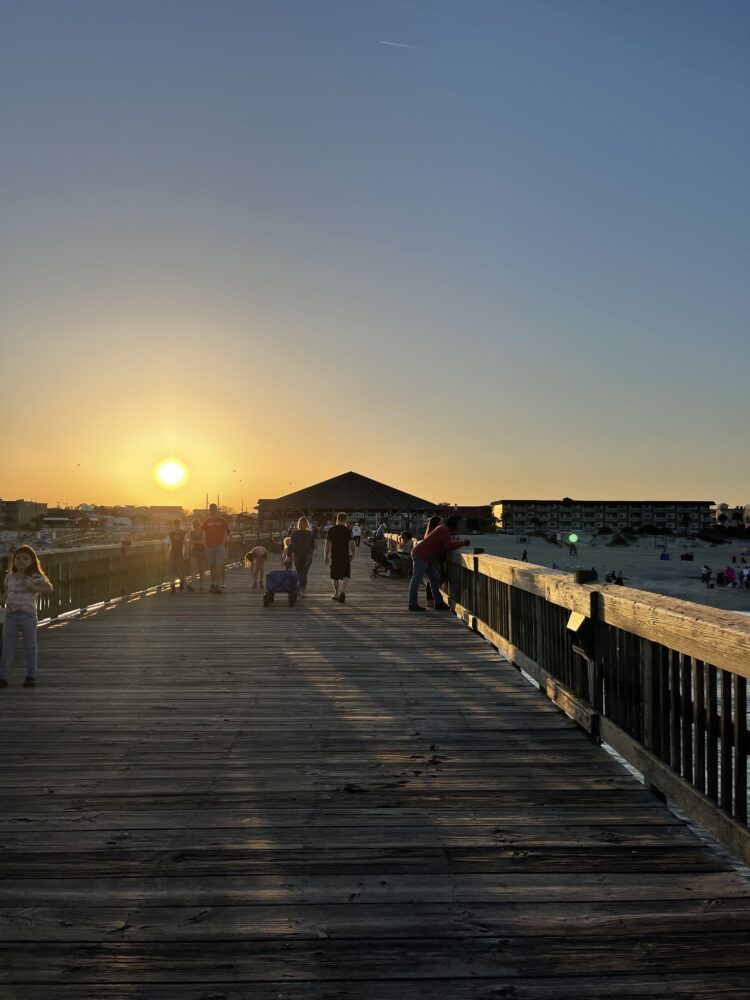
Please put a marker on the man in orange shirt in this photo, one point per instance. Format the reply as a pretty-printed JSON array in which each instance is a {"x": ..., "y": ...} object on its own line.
[{"x": 215, "y": 532}]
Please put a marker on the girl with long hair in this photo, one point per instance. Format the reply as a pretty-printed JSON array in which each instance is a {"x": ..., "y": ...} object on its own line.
[{"x": 23, "y": 582}]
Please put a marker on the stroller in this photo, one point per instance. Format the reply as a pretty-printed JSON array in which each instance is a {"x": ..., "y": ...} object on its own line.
[
  {"x": 281, "y": 581},
  {"x": 386, "y": 565},
  {"x": 378, "y": 552}
]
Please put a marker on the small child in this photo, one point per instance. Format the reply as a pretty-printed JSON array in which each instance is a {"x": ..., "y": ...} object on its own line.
[
  {"x": 287, "y": 561},
  {"x": 177, "y": 544},
  {"x": 255, "y": 560},
  {"x": 22, "y": 583}
]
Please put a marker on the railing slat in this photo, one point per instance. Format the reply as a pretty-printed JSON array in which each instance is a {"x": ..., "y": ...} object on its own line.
[
  {"x": 699, "y": 725},
  {"x": 739, "y": 686},
  {"x": 712, "y": 729},
  {"x": 686, "y": 679},
  {"x": 674, "y": 711},
  {"x": 727, "y": 740}
]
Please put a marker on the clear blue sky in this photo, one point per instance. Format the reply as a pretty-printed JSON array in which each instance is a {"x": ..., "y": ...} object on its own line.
[{"x": 510, "y": 260}]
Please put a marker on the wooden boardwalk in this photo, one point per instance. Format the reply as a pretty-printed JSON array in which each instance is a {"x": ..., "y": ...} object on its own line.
[{"x": 209, "y": 799}]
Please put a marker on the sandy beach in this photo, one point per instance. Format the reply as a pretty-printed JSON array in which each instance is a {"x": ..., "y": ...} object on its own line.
[{"x": 640, "y": 564}]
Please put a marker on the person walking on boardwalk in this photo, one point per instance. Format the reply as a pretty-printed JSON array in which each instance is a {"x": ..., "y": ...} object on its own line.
[
  {"x": 356, "y": 533},
  {"x": 215, "y": 537},
  {"x": 426, "y": 556},
  {"x": 23, "y": 582},
  {"x": 339, "y": 551},
  {"x": 197, "y": 550},
  {"x": 303, "y": 547},
  {"x": 177, "y": 556}
]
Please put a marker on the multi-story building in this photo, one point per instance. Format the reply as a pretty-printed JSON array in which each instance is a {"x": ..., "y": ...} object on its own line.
[
  {"x": 21, "y": 513},
  {"x": 567, "y": 515}
]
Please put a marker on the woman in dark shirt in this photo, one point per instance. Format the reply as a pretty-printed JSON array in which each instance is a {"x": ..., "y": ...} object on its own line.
[{"x": 302, "y": 545}]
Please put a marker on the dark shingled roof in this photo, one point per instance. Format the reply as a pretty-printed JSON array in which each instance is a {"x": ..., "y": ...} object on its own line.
[{"x": 349, "y": 491}]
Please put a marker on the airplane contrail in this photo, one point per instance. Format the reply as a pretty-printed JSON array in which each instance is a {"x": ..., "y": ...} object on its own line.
[{"x": 398, "y": 45}]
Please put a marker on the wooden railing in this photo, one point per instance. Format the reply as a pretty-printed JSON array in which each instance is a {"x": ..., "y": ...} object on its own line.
[
  {"x": 661, "y": 681},
  {"x": 86, "y": 576}
]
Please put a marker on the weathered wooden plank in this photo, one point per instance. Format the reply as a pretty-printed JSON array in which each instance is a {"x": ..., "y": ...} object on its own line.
[
  {"x": 198, "y": 923},
  {"x": 372, "y": 888},
  {"x": 440, "y": 861},
  {"x": 342, "y": 959},
  {"x": 301, "y": 838},
  {"x": 681, "y": 986}
]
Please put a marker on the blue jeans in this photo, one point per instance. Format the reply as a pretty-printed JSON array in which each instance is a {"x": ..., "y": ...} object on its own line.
[
  {"x": 302, "y": 564},
  {"x": 432, "y": 571},
  {"x": 15, "y": 622}
]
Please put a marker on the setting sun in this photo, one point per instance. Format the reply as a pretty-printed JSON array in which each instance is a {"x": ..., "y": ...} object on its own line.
[{"x": 170, "y": 473}]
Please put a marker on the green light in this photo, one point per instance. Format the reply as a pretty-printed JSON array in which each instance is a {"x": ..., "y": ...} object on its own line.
[{"x": 572, "y": 539}]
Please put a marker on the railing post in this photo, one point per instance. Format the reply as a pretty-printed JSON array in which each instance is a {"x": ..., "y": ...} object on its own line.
[
  {"x": 474, "y": 578},
  {"x": 594, "y": 661}
]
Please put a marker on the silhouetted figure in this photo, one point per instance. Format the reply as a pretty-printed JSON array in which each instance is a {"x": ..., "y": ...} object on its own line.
[
  {"x": 339, "y": 551},
  {"x": 303, "y": 547}
]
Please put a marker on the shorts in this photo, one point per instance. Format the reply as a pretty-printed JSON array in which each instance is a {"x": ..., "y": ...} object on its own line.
[
  {"x": 216, "y": 555},
  {"x": 341, "y": 568}
]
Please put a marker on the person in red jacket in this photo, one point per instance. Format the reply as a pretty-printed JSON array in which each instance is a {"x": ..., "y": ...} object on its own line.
[{"x": 426, "y": 556}]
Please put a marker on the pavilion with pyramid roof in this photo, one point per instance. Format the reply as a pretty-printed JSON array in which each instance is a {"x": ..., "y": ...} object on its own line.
[{"x": 358, "y": 495}]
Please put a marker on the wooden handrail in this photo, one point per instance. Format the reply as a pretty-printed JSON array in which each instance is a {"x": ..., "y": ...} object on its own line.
[
  {"x": 97, "y": 573},
  {"x": 662, "y": 681}
]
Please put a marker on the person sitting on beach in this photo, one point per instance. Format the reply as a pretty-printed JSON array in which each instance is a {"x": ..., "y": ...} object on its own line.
[{"x": 255, "y": 560}]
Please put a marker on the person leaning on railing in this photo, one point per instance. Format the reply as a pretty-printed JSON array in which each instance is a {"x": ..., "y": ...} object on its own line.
[{"x": 426, "y": 555}]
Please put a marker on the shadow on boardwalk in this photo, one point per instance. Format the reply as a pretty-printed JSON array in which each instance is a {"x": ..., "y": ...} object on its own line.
[{"x": 206, "y": 798}]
